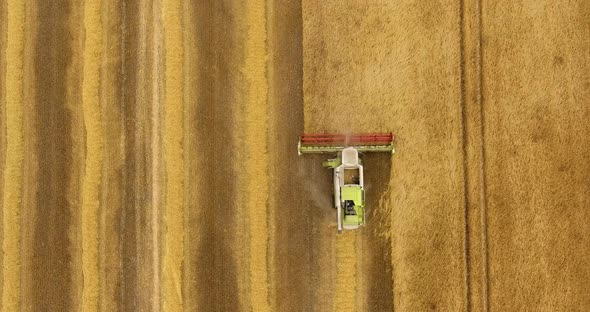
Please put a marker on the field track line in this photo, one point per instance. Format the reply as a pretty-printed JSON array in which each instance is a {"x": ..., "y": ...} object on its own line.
[
  {"x": 13, "y": 170},
  {"x": 474, "y": 157}
]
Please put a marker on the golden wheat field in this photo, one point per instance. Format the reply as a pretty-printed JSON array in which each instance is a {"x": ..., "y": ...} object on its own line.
[{"x": 148, "y": 155}]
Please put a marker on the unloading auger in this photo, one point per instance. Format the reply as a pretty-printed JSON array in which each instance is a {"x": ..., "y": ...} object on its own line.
[{"x": 349, "y": 192}]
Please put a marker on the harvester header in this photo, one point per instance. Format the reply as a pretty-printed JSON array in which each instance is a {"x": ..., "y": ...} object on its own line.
[{"x": 333, "y": 143}]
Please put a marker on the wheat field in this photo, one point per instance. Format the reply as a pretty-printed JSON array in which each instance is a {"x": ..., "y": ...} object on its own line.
[{"x": 148, "y": 155}]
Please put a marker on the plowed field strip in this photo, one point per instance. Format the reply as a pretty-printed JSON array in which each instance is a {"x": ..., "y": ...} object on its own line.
[
  {"x": 217, "y": 228},
  {"x": 47, "y": 210}
]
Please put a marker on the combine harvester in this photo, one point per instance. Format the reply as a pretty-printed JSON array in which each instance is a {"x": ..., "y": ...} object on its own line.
[{"x": 349, "y": 192}]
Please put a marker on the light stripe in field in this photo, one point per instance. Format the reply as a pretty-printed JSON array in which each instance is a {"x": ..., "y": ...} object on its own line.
[
  {"x": 257, "y": 165},
  {"x": 190, "y": 96},
  {"x": 94, "y": 153},
  {"x": 153, "y": 9},
  {"x": 173, "y": 152},
  {"x": 273, "y": 160},
  {"x": 14, "y": 156},
  {"x": 345, "y": 294},
  {"x": 257, "y": 154}
]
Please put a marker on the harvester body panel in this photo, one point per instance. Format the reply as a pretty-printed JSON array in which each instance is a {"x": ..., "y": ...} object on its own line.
[{"x": 349, "y": 190}]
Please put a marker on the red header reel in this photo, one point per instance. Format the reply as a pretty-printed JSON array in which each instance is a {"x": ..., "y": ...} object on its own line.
[{"x": 333, "y": 143}]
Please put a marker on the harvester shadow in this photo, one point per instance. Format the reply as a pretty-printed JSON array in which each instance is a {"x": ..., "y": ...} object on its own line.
[
  {"x": 318, "y": 185},
  {"x": 376, "y": 232}
]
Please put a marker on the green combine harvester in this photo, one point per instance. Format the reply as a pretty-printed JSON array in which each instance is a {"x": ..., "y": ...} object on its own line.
[{"x": 349, "y": 192}]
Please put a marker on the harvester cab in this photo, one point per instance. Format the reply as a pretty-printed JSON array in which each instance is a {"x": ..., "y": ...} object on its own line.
[{"x": 349, "y": 191}]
